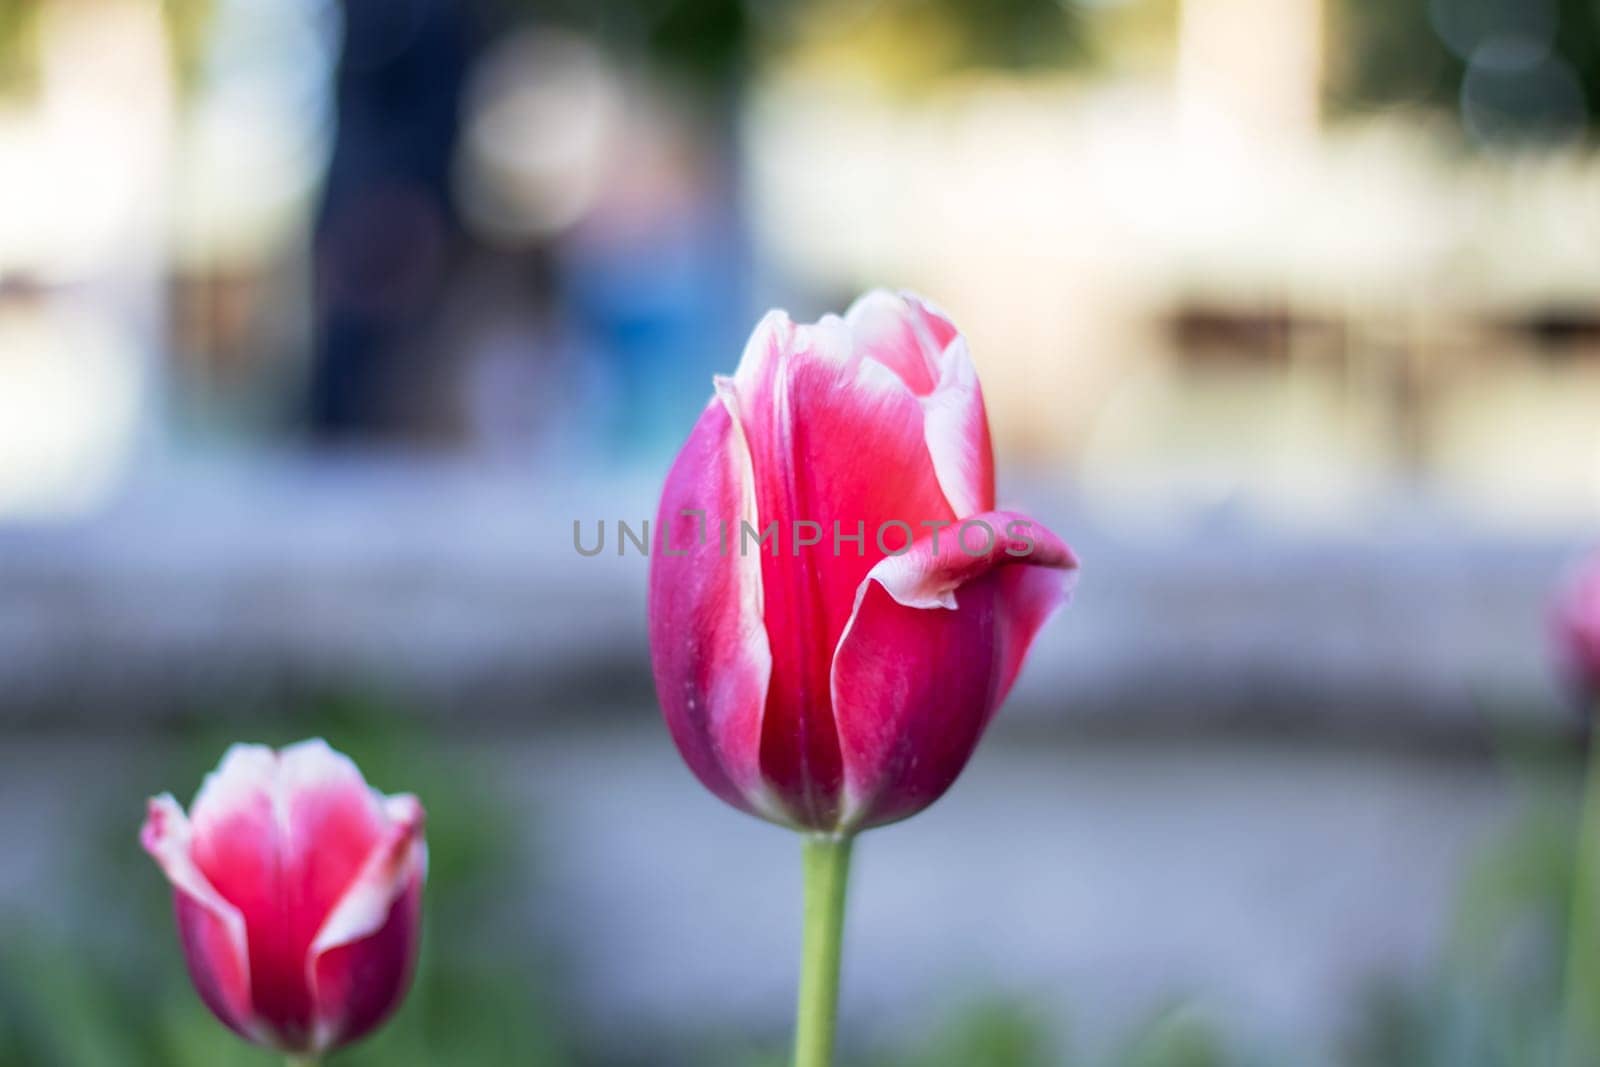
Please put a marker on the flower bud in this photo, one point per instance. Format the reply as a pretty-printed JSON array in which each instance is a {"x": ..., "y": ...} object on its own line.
[{"x": 298, "y": 894}]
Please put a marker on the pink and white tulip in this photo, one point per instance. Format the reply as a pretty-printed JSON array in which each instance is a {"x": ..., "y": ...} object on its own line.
[
  {"x": 839, "y": 685},
  {"x": 1575, "y": 622},
  {"x": 298, "y": 894}
]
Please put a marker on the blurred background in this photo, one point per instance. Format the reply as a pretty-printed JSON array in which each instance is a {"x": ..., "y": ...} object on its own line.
[{"x": 322, "y": 322}]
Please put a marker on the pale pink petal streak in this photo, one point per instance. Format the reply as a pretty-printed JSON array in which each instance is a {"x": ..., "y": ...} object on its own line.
[
  {"x": 334, "y": 821},
  {"x": 958, "y": 433},
  {"x": 708, "y": 645}
]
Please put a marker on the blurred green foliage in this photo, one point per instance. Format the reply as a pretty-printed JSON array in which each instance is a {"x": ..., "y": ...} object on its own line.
[
  {"x": 706, "y": 41},
  {"x": 1389, "y": 53},
  {"x": 993, "y": 1031},
  {"x": 112, "y": 992},
  {"x": 19, "y": 27},
  {"x": 998, "y": 1032},
  {"x": 715, "y": 42},
  {"x": 1391, "y": 57},
  {"x": 105, "y": 986},
  {"x": 1011, "y": 34},
  {"x": 1495, "y": 1000}
]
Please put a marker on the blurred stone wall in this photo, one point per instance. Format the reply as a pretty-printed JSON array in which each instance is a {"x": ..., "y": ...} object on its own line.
[{"x": 463, "y": 594}]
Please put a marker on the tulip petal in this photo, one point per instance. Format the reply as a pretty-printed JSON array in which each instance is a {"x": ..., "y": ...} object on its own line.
[
  {"x": 908, "y": 727},
  {"x": 709, "y": 650},
  {"x": 334, "y": 823},
  {"x": 836, "y": 441},
  {"x": 904, "y": 333},
  {"x": 958, "y": 433},
  {"x": 934, "y": 645},
  {"x": 919, "y": 343},
  {"x": 211, "y": 929},
  {"x": 361, "y": 960},
  {"x": 1575, "y": 627}
]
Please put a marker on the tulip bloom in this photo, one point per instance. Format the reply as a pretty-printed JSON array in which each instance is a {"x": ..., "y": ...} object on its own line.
[
  {"x": 1575, "y": 628},
  {"x": 1576, "y": 625},
  {"x": 836, "y": 607},
  {"x": 838, "y": 675},
  {"x": 298, "y": 894}
]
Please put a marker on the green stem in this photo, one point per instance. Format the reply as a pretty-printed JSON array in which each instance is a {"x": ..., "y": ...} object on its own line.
[
  {"x": 1583, "y": 939},
  {"x": 827, "y": 872},
  {"x": 304, "y": 1061}
]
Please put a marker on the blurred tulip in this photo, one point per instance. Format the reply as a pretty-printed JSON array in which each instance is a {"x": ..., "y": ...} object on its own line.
[
  {"x": 1576, "y": 625},
  {"x": 298, "y": 893},
  {"x": 836, "y": 607}
]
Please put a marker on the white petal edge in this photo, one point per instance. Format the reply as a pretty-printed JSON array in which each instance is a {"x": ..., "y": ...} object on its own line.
[
  {"x": 952, "y": 414},
  {"x": 953, "y": 409},
  {"x": 168, "y": 836},
  {"x": 250, "y": 773},
  {"x": 395, "y": 861},
  {"x": 901, "y": 308},
  {"x": 767, "y": 342},
  {"x": 901, "y": 580},
  {"x": 244, "y": 775},
  {"x": 312, "y": 767},
  {"x": 752, "y": 605},
  {"x": 385, "y": 874}
]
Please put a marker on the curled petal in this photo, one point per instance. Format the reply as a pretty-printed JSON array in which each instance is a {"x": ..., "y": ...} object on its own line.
[
  {"x": 211, "y": 929},
  {"x": 957, "y": 430},
  {"x": 940, "y": 563},
  {"x": 913, "y": 687},
  {"x": 362, "y": 958},
  {"x": 904, "y": 333},
  {"x": 922, "y": 346},
  {"x": 936, "y": 642}
]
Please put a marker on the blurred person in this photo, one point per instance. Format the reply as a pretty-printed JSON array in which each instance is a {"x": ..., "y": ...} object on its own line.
[
  {"x": 387, "y": 231},
  {"x": 653, "y": 276}
]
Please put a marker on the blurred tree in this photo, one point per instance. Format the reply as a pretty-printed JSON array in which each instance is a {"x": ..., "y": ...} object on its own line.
[
  {"x": 1397, "y": 53},
  {"x": 1386, "y": 54},
  {"x": 16, "y": 29},
  {"x": 1014, "y": 34},
  {"x": 1578, "y": 42},
  {"x": 388, "y": 227},
  {"x": 706, "y": 43},
  {"x": 713, "y": 42},
  {"x": 19, "y": 21}
]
